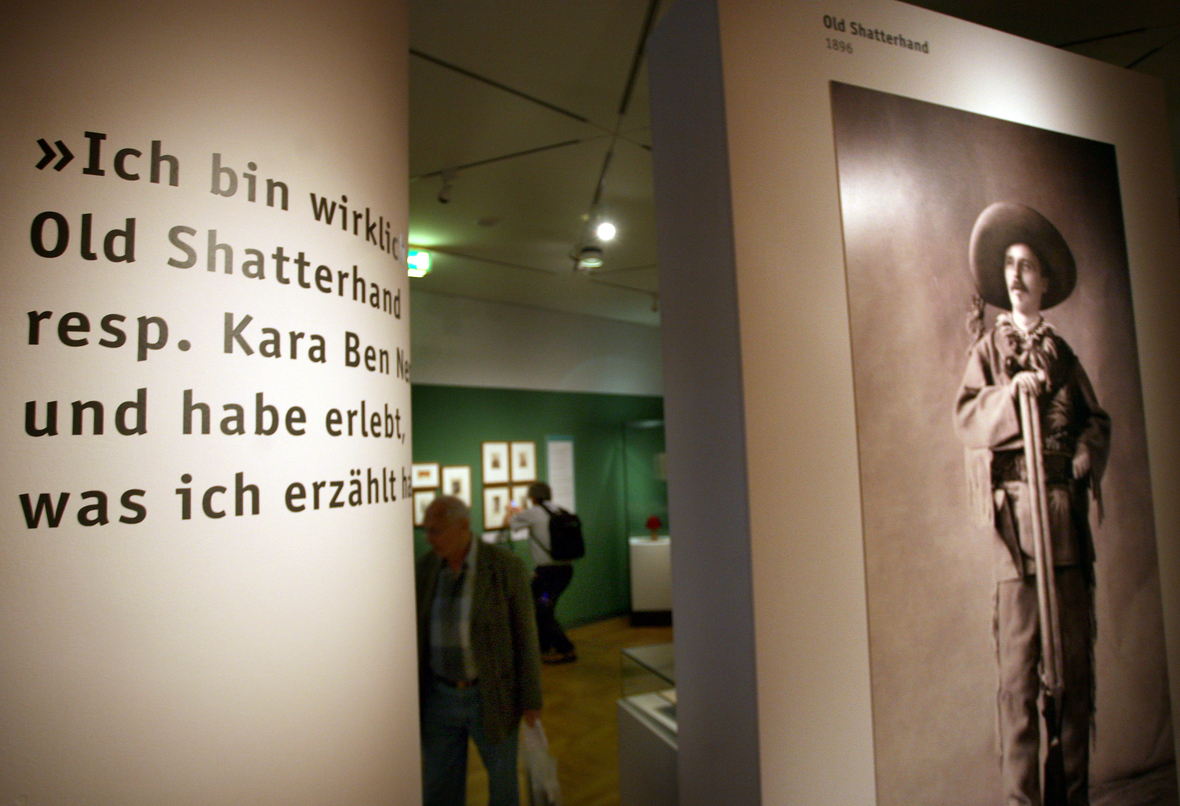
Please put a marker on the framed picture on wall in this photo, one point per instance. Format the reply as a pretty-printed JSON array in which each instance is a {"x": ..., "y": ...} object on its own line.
[
  {"x": 456, "y": 481},
  {"x": 524, "y": 461},
  {"x": 422, "y": 499},
  {"x": 520, "y": 495},
  {"x": 495, "y": 506},
  {"x": 495, "y": 463},
  {"x": 424, "y": 475}
]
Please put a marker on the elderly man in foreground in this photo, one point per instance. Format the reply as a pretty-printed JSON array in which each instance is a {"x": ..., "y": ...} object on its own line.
[{"x": 479, "y": 662}]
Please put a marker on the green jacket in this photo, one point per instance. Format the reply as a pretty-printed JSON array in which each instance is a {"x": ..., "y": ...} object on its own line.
[{"x": 503, "y": 635}]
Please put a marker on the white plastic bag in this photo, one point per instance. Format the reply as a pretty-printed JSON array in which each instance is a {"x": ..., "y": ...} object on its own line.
[{"x": 541, "y": 766}]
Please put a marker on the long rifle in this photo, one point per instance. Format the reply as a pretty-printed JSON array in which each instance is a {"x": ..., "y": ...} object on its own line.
[{"x": 1050, "y": 623}]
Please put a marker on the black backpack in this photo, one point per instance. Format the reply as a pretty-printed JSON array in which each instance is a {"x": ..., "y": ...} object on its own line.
[{"x": 565, "y": 535}]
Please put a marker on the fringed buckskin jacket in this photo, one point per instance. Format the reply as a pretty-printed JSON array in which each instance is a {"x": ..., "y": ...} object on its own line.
[{"x": 987, "y": 420}]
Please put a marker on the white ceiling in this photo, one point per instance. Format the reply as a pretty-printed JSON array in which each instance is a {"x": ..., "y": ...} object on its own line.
[{"x": 519, "y": 103}]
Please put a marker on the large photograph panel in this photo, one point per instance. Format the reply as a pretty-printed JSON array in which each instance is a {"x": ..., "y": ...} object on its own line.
[{"x": 914, "y": 179}]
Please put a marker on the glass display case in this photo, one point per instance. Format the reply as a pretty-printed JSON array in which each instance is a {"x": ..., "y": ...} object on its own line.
[
  {"x": 649, "y": 682},
  {"x": 645, "y": 476},
  {"x": 648, "y": 745},
  {"x": 646, "y": 504}
]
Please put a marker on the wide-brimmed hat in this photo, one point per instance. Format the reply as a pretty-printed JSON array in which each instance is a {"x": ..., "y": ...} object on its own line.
[{"x": 1004, "y": 223}]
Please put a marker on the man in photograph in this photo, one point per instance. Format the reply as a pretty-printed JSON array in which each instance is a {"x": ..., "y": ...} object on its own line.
[{"x": 1021, "y": 264}]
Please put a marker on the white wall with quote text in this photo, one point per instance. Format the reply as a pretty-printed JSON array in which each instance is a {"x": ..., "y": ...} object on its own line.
[{"x": 206, "y": 590}]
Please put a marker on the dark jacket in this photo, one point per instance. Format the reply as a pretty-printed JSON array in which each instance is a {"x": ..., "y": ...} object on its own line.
[{"x": 503, "y": 635}]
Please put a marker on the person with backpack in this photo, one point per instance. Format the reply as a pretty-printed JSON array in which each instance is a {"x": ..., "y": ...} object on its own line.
[{"x": 556, "y": 540}]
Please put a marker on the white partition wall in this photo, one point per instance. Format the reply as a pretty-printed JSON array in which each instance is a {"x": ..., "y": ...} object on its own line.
[
  {"x": 206, "y": 588},
  {"x": 818, "y": 171}
]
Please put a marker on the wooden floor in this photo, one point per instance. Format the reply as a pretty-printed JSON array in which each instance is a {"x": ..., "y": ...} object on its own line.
[{"x": 579, "y": 715}]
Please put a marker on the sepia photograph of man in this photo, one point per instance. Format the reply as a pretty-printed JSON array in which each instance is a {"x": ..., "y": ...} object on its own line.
[
  {"x": 1015, "y": 625},
  {"x": 1032, "y": 483}
]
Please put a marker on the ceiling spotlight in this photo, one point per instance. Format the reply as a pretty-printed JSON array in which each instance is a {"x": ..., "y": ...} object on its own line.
[
  {"x": 605, "y": 231},
  {"x": 589, "y": 257}
]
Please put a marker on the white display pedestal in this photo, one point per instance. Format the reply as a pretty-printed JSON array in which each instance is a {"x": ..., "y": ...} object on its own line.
[{"x": 651, "y": 580}]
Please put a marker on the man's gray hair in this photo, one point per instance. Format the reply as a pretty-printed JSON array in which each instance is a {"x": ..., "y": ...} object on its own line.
[{"x": 452, "y": 509}]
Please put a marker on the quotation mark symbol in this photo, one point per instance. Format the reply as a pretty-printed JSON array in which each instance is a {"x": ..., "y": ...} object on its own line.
[{"x": 66, "y": 156}]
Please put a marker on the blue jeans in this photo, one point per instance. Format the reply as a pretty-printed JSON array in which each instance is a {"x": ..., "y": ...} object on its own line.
[{"x": 449, "y": 717}]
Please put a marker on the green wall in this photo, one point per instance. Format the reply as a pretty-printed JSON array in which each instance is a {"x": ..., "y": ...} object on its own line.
[
  {"x": 647, "y": 481},
  {"x": 450, "y": 423}
]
